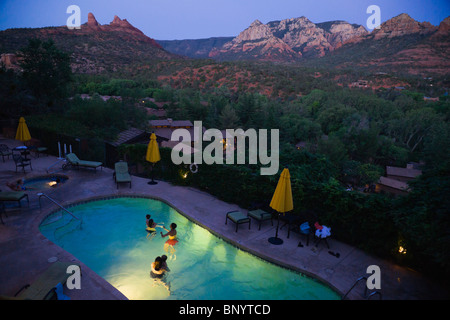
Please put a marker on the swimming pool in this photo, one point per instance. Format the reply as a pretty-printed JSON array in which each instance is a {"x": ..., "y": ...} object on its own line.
[
  {"x": 113, "y": 242},
  {"x": 44, "y": 182}
]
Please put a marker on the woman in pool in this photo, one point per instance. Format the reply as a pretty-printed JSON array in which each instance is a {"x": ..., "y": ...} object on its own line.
[
  {"x": 157, "y": 272},
  {"x": 172, "y": 234},
  {"x": 18, "y": 186}
]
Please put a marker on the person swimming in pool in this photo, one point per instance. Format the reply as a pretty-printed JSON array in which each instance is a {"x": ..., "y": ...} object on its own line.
[
  {"x": 172, "y": 233},
  {"x": 168, "y": 245},
  {"x": 18, "y": 186},
  {"x": 164, "y": 263},
  {"x": 158, "y": 271},
  {"x": 151, "y": 228}
]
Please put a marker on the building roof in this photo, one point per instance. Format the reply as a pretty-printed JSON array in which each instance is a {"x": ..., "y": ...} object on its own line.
[
  {"x": 403, "y": 172},
  {"x": 159, "y": 123},
  {"x": 127, "y": 135},
  {"x": 400, "y": 185}
]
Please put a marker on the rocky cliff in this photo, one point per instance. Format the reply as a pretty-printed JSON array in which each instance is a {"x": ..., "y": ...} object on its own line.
[
  {"x": 288, "y": 39},
  {"x": 94, "y": 47},
  {"x": 256, "y": 42}
]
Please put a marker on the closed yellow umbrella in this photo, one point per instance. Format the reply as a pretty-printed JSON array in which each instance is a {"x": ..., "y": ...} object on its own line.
[
  {"x": 153, "y": 155},
  {"x": 282, "y": 200},
  {"x": 23, "y": 134}
]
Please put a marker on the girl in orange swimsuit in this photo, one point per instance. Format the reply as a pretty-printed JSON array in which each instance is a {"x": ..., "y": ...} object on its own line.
[{"x": 172, "y": 234}]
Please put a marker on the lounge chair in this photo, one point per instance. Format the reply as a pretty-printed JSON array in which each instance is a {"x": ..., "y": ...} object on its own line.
[
  {"x": 260, "y": 215},
  {"x": 5, "y": 151},
  {"x": 6, "y": 196},
  {"x": 72, "y": 160},
  {"x": 238, "y": 218},
  {"x": 48, "y": 285},
  {"x": 121, "y": 174}
]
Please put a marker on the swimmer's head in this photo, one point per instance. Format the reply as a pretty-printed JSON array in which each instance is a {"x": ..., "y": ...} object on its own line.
[
  {"x": 147, "y": 216},
  {"x": 158, "y": 262},
  {"x": 163, "y": 258},
  {"x": 173, "y": 225}
]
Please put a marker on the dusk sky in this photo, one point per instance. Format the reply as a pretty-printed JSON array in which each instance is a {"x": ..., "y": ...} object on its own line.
[{"x": 195, "y": 19}]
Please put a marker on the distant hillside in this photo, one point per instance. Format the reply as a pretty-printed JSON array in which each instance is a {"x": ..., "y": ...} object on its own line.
[
  {"x": 198, "y": 48},
  {"x": 94, "y": 48},
  {"x": 400, "y": 45},
  {"x": 287, "y": 40}
]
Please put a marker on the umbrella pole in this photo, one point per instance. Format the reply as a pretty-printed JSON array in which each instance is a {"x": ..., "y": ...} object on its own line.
[
  {"x": 153, "y": 182},
  {"x": 275, "y": 240}
]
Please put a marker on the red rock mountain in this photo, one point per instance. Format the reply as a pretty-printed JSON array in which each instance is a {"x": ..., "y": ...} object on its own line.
[
  {"x": 288, "y": 40},
  {"x": 94, "y": 47},
  {"x": 258, "y": 42},
  {"x": 401, "y": 44}
]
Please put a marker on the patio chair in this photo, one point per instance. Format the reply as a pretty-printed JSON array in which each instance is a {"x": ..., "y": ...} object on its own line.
[
  {"x": 305, "y": 230},
  {"x": 322, "y": 233},
  {"x": 21, "y": 162},
  {"x": 238, "y": 218},
  {"x": 72, "y": 160},
  {"x": 5, "y": 151},
  {"x": 260, "y": 215},
  {"x": 35, "y": 145},
  {"x": 48, "y": 285},
  {"x": 6, "y": 196},
  {"x": 121, "y": 174}
]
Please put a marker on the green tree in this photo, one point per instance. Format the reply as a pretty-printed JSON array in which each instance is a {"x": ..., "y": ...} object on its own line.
[
  {"x": 228, "y": 118},
  {"x": 46, "y": 70}
]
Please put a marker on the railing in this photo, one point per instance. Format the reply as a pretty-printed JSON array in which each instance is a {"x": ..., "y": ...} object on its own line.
[
  {"x": 44, "y": 195},
  {"x": 59, "y": 160},
  {"x": 372, "y": 294},
  {"x": 67, "y": 227}
]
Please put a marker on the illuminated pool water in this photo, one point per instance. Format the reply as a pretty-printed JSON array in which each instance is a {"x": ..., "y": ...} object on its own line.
[
  {"x": 44, "y": 182},
  {"x": 113, "y": 242}
]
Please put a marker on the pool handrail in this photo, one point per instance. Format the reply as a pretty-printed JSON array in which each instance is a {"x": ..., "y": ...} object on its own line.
[
  {"x": 59, "y": 160},
  {"x": 41, "y": 194}
]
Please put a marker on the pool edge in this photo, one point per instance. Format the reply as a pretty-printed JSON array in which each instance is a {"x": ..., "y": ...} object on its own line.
[{"x": 234, "y": 243}]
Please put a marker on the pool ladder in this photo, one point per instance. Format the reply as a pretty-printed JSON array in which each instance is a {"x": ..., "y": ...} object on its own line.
[
  {"x": 54, "y": 164},
  {"x": 59, "y": 205},
  {"x": 367, "y": 296}
]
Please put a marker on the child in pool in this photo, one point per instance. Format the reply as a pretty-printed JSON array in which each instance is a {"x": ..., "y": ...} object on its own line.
[
  {"x": 168, "y": 245},
  {"x": 172, "y": 234},
  {"x": 151, "y": 228}
]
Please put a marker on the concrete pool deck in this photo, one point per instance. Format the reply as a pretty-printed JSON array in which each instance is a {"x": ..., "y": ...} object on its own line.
[{"x": 25, "y": 252}]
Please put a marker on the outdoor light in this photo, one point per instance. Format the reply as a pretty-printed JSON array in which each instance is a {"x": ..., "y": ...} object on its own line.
[
  {"x": 402, "y": 250},
  {"x": 52, "y": 183}
]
